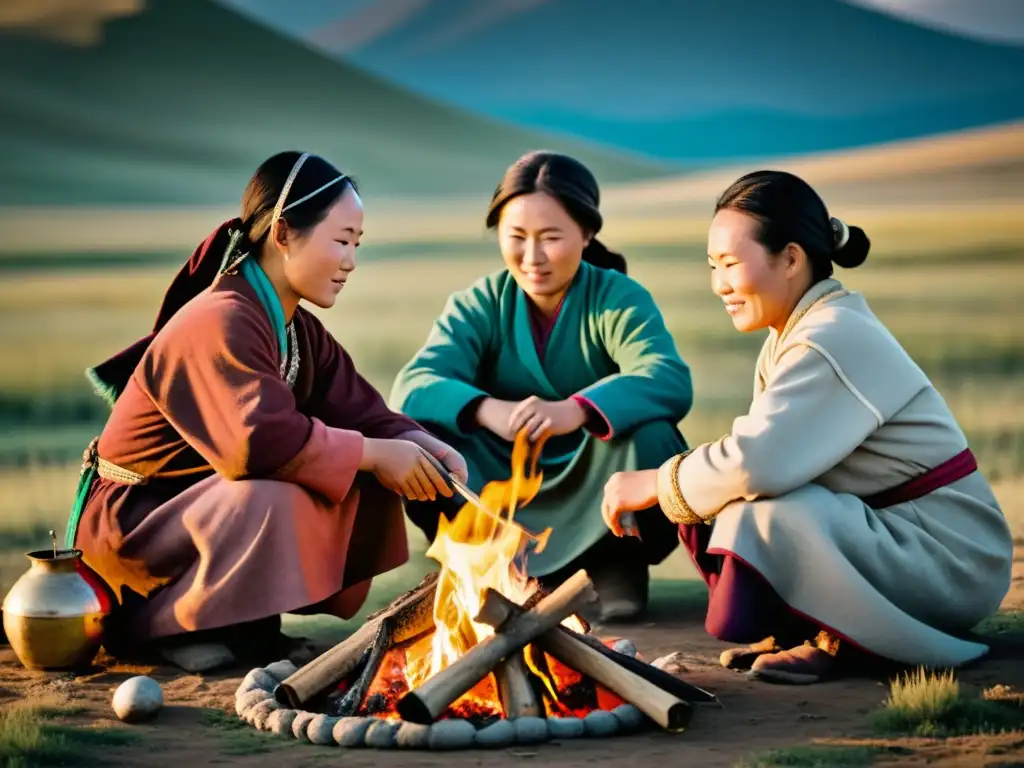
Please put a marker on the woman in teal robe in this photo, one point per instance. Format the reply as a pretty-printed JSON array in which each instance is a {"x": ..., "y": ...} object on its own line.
[{"x": 563, "y": 343}]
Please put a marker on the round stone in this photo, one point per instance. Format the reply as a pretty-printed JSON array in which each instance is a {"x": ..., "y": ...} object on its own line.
[
  {"x": 280, "y": 721},
  {"x": 281, "y": 670},
  {"x": 257, "y": 679},
  {"x": 630, "y": 717},
  {"x": 137, "y": 699},
  {"x": 496, "y": 735},
  {"x": 600, "y": 723},
  {"x": 530, "y": 730},
  {"x": 451, "y": 734},
  {"x": 321, "y": 730},
  {"x": 351, "y": 731},
  {"x": 248, "y": 699},
  {"x": 381, "y": 734},
  {"x": 673, "y": 663},
  {"x": 300, "y": 724},
  {"x": 625, "y": 646},
  {"x": 257, "y": 714},
  {"x": 566, "y": 727},
  {"x": 412, "y": 736}
]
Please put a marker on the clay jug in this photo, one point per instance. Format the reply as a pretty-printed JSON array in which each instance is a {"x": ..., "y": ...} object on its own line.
[{"x": 54, "y": 614}]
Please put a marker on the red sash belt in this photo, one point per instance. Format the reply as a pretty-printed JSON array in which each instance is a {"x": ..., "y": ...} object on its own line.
[{"x": 960, "y": 466}]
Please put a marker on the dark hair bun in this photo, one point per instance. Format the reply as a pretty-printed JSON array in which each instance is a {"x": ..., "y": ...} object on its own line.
[
  {"x": 854, "y": 251},
  {"x": 598, "y": 255}
]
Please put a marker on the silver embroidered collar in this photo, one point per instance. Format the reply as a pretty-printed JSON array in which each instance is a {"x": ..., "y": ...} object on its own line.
[{"x": 289, "y": 369}]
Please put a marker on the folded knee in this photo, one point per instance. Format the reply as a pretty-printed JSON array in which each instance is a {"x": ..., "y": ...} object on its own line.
[{"x": 266, "y": 492}]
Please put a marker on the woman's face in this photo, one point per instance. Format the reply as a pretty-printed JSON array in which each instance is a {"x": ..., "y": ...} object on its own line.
[
  {"x": 317, "y": 264},
  {"x": 541, "y": 243},
  {"x": 758, "y": 288}
]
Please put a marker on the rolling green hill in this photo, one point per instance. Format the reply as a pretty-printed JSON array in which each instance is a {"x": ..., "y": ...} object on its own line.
[{"x": 180, "y": 103}]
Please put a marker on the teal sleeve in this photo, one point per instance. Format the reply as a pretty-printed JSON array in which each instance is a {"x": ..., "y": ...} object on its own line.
[
  {"x": 653, "y": 383},
  {"x": 437, "y": 385}
]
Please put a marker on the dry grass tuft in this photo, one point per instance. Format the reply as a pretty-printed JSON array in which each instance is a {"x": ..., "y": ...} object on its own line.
[{"x": 934, "y": 704}]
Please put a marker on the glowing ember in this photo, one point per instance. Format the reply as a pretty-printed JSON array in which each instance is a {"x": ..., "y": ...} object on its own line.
[{"x": 477, "y": 551}]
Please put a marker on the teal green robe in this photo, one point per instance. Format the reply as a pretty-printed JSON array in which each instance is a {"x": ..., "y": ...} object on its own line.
[{"x": 609, "y": 345}]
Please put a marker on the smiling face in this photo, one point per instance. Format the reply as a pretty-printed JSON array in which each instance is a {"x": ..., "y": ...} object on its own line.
[
  {"x": 541, "y": 244},
  {"x": 759, "y": 288},
  {"x": 318, "y": 262}
]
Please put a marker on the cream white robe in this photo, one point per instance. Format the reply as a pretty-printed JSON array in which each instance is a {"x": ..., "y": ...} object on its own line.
[{"x": 840, "y": 412}]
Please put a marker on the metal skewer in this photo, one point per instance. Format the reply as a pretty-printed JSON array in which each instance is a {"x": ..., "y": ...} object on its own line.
[{"x": 465, "y": 492}]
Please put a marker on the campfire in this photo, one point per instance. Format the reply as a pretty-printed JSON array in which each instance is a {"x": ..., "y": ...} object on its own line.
[{"x": 479, "y": 642}]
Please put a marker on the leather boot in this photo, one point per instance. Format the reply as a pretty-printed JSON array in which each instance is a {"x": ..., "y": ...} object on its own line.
[
  {"x": 742, "y": 658},
  {"x": 812, "y": 662}
]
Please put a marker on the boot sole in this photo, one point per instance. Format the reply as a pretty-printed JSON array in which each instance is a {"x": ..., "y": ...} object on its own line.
[{"x": 787, "y": 678}]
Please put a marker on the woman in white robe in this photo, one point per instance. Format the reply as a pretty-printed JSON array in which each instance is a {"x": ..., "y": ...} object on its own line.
[{"x": 845, "y": 510}]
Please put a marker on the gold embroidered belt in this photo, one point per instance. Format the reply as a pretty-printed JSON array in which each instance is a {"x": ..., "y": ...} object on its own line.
[{"x": 108, "y": 470}]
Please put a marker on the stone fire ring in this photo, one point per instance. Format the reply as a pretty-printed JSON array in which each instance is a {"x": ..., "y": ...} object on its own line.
[{"x": 256, "y": 705}]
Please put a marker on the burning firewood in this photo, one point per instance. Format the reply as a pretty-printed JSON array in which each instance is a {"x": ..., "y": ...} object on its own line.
[
  {"x": 669, "y": 711},
  {"x": 430, "y": 700},
  {"x": 407, "y": 617},
  {"x": 516, "y": 689}
]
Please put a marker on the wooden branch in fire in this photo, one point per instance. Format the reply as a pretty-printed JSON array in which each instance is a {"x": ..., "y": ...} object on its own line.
[
  {"x": 409, "y": 616},
  {"x": 515, "y": 689},
  {"x": 430, "y": 700},
  {"x": 664, "y": 708}
]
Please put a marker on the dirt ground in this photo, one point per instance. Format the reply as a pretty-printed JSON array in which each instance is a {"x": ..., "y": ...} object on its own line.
[{"x": 198, "y": 724}]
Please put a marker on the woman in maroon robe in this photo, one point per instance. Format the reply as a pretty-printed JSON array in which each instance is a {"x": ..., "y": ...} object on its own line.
[{"x": 247, "y": 469}]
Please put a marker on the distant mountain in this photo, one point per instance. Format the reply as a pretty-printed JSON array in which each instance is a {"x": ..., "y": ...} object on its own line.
[
  {"x": 699, "y": 82},
  {"x": 180, "y": 103}
]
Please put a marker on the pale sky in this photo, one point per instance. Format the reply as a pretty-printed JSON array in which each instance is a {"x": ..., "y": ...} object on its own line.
[
  {"x": 81, "y": 20},
  {"x": 999, "y": 21},
  {"x": 994, "y": 20}
]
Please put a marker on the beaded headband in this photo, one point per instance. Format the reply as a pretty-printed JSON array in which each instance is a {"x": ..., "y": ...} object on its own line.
[{"x": 279, "y": 209}]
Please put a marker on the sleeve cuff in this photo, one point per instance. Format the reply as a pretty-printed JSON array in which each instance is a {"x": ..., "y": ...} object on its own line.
[
  {"x": 327, "y": 463},
  {"x": 443, "y": 403},
  {"x": 670, "y": 496},
  {"x": 466, "y": 420},
  {"x": 597, "y": 423}
]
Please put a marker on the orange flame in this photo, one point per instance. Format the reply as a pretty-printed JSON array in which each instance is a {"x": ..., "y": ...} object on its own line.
[{"x": 477, "y": 551}]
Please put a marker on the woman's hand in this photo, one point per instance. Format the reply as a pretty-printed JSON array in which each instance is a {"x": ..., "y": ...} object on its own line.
[
  {"x": 542, "y": 417},
  {"x": 401, "y": 466},
  {"x": 625, "y": 493},
  {"x": 453, "y": 460},
  {"x": 495, "y": 416}
]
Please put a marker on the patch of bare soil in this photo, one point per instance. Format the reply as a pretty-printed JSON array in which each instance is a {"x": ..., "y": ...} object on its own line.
[{"x": 198, "y": 725}]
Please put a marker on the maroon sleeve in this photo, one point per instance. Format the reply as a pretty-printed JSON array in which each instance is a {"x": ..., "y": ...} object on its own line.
[
  {"x": 342, "y": 398},
  {"x": 212, "y": 372},
  {"x": 597, "y": 424}
]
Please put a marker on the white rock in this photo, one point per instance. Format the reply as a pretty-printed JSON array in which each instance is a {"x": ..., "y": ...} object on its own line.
[
  {"x": 138, "y": 698},
  {"x": 281, "y": 670},
  {"x": 320, "y": 730},
  {"x": 248, "y": 699},
  {"x": 257, "y": 714},
  {"x": 280, "y": 721},
  {"x": 351, "y": 731},
  {"x": 496, "y": 735},
  {"x": 530, "y": 730},
  {"x": 301, "y": 723},
  {"x": 410, "y": 736},
  {"x": 451, "y": 734},
  {"x": 600, "y": 723},
  {"x": 565, "y": 727},
  {"x": 629, "y": 716},
  {"x": 257, "y": 679},
  {"x": 381, "y": 734},
  {"x": 625, "y": 646},
  {"x": 672, "y": 663}
]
